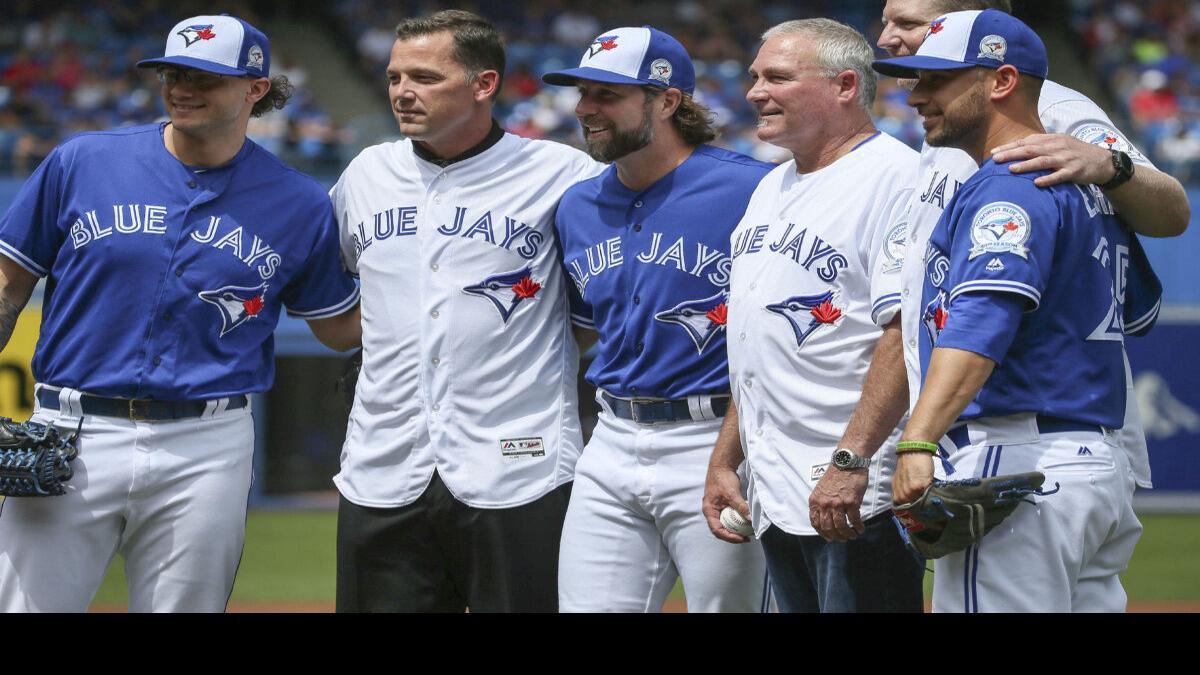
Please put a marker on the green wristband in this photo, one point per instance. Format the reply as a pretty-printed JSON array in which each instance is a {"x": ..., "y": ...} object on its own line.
[{"x": 910, "y": 446}]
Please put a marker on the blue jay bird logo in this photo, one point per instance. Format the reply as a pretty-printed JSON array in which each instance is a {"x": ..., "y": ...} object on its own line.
[
  {"x": 193, "y": 34},
  {"x": 934, "y": 317},
  {"x": 237, "y": 304},
  {"x": 700, "y": 319},
  {"x": 807, "y": 313},
  {"x": 506, "y": 291}
]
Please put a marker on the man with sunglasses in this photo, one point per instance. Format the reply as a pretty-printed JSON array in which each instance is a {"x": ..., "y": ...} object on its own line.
[{"x": 170, "y": 251}]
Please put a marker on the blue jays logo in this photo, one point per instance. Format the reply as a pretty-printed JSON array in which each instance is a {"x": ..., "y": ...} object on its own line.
[
  {"x": 603, "y": 43},
  {"x": 807, "y": 313},
  {"x": 993, "y": 47},
  {"x": 935, "y": 26},
  {"x": 237, "y": 304},
  {"x": 1000, "y": 227},
  {"x": 701, "y": 319},
  {"x": 193, "y": 34},
  {"x": 1105, "y": 136},
  {"x": 934, "y": 317},
  {"x": 506, "y": 291}
]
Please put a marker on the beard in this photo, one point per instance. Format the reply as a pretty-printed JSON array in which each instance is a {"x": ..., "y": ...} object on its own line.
[
  {"x": 621, "y": 142},
  {"x": 962, "y": 121}
]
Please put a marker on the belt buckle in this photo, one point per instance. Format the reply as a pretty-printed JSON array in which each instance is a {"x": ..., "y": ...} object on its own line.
[
  {"x": 635, "y": 402},
  {"x": 134, "y": 413}
]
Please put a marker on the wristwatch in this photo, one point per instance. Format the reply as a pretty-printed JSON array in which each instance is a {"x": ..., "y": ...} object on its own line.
[
  {"x": 1123, "y": 165},
  {"x": 846, "y": 460}
]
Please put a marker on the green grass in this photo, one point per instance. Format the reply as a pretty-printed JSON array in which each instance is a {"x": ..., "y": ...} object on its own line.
[{"x": 290, "y": 558}]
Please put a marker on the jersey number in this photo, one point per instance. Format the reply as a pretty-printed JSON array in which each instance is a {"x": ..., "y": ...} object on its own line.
[{"x": 1113, "y": 326}]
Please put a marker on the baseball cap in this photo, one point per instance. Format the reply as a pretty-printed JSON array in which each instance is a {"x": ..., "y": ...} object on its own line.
[
  {"x": 631, "y": 55},
  {"x": 988, "y": 38},
  {"x": 224, "y": 45}
]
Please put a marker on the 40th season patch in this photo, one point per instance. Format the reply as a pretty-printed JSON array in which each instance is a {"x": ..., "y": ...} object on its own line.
[
  {"x": 1105, "y": 136},
  {"x": 1000, "y": 227},
  {"x": 893, "y": 247},
  {"x": 516, "y": 448}
]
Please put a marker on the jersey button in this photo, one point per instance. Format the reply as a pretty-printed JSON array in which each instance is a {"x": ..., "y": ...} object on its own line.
[
  {"x": 158, "y": 360},
  {"x": 637, "y": 227},
  {"x": 435, "y": 361},
  {"x": 436, "y": 407},
  {"x": 912, "y": 343},
  {"x": 167, "y": 316},
  {"x": 637, "y": 204},
  {"x": 637, "y": 299},
  {"x": 192, "y": 184},
  {"x": 178, "y": 271},
  {"x": 434, "y": 267},
  {"x": 640, "y": 347},
  {"x": 905, "y": 293},
  {"x": 435, "y": 314}
]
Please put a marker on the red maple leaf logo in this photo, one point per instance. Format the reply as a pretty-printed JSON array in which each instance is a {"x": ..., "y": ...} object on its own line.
[
  {"x": 526, "y": 288},
  {"x": 936, "y": 26},
  {"x": 1110, "y": 139},
  {"x": 939, "y": 317},
  {"x": 826, "y": 312},
  {"x": 206, "y": 34},
  {"x": 253, "y": 306},
  {"x": 1010, "y": 226},
  {"x": 719, "y": 314},
  {"x": 608, "y": 44}
]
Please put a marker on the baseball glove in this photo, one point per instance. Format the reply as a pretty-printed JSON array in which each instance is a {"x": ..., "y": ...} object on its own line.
[
  {"x": 35, "y": 460},
  {"x": 952, "y": 515}
]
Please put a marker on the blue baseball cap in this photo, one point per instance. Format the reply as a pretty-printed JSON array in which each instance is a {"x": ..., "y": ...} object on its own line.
[
  {"x": 988, "y": 38},
  {"x": 224, "y": 45},
  {"x": 632, "y": 56}
]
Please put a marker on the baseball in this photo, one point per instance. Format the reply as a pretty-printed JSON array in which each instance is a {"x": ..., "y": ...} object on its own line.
[{"x": 734, "y": 522}]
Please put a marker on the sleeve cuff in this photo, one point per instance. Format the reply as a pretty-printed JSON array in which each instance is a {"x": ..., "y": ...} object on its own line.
[
  {"x": 326, "y": 312},
  {"x": 8, "y": 251}
]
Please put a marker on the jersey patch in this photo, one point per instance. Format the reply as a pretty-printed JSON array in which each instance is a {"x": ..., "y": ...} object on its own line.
[
  {"x": 254, "y": 57},
  {"x": 893, "y": 248},
  {"x": 193, "y": 34},
  {"x": 1105, "y": 136},
  {"x": 1000, "y": 227},
  {"x": 506, "y": 291},
  {"x": 993, "y": 47},
  {"x": 516, "y": 448},
  {"x": 818, "y": 471},
  {"x": 700, "y": 319},
  {"x": 237, "y": 304},
  {"x": 934, "y": 317},
  {"x": 807, "y": 313}
]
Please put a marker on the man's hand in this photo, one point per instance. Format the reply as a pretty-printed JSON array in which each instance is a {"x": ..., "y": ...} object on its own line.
[
  {"x": 914, "y": 473},
  {"x": 835, "y": 500},
  {"x": 1070, "y": 159},
  {"x": 723, "y": 488}
]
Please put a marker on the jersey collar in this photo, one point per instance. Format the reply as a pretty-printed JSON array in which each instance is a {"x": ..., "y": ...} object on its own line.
[{"x": 493, "y": 137}]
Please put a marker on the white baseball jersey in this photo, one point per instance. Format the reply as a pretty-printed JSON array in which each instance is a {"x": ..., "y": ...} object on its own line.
[
  {"x": 942, "y": 172},
  {"x": 815, "y": 275},
  {"x": 469, "y": 366}
]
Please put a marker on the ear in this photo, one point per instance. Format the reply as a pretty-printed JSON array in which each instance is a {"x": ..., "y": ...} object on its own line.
[
  {"x": 1004, "y": 82},
  {"x": 670, "y": 101},
  {"x": 846, "y": 87},
  {"x": 485, "y": 84},
  {"x": 258, "y": 89}
]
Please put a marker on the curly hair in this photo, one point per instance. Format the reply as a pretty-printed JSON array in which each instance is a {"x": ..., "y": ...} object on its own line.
[
  {"x": 692, "y": 119},
  {"x": 281, "y": 90}
]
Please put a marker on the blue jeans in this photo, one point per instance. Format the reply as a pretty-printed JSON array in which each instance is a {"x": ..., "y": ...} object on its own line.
[{"x": 873, "y": 573}]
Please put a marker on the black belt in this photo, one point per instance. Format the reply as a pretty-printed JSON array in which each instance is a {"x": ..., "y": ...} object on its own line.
[
  {"x": 137, "y": 409},
  {"x": 1046, "y": 424},
  {"x": 661, "y": 411}
]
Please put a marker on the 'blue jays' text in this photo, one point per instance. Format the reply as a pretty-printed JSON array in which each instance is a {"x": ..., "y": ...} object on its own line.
[{"x": 507, "y": 233}]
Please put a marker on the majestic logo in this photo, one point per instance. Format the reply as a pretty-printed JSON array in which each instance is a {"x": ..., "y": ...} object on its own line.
[
  {"x": 894, "y": 244},
  {"x": 993, "y": 47},
  {"x": 1103, "y": 135},
  {"x": 661, "y": 71},
  {"x": 994, "y": 265},
  {"x": 807, "y": 313},
  {"x": 934, "y": 317},
  {"x": 701, "y": 319},
  {"x": 193, "y": 34},
  {"x": 506, "y": 291},
  {"x": 935, "y": 27},
  {"x": 237, "y": 304},
  {"x": 1084, "y": 450},
  {"x": 604, "y": 43},
  {"x": 1000, "y": 227},
  {"x": 254, "y": 58}
]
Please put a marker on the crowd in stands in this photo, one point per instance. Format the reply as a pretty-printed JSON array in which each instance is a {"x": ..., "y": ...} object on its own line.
[
  {"x": 68, "y": 67},
  {"x": 1148, "y": 53}
]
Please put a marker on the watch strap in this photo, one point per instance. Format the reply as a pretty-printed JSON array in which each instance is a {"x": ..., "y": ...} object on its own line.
[{"x": 1123, "y": 165}]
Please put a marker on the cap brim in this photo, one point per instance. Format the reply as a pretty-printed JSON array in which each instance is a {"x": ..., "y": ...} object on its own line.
[
  {"x": 910, "y": 66},
  {"x": 198, "y": 64},
  {"x": 567, "y": 78}
]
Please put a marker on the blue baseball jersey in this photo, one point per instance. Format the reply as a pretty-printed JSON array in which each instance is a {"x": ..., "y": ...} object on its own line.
[
  {"x": 164, "y": 281},
  {"x": 1076, "y": 266},
  {"x": 651, "y": 272}
]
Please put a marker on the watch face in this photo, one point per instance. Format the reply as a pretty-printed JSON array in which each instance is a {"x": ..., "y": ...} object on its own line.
[{"x": 842, "y": 459}]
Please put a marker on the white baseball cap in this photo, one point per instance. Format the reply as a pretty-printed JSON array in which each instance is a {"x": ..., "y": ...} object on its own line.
[
  {"x": 632, "y": 55},
  {"x": 224, "y": 45},
  {"x": 987, "y": 38}
]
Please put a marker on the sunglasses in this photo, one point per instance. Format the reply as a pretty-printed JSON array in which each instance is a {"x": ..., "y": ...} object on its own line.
[{"x": 198, "y": 79}]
